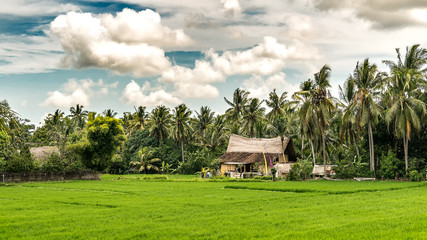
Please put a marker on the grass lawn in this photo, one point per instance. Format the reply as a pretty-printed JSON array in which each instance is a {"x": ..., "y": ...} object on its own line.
[{"x": 133, "y": 208}]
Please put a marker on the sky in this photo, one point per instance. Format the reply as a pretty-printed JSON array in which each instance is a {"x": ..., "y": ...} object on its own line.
[{"x": 122, "y": 54}]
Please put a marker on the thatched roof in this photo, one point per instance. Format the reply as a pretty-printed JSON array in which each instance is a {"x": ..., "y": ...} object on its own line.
[
  {"x": 320, "y": 171},
  {"x": 42, "y": 153},
  {"x": 249, "y": 150}
]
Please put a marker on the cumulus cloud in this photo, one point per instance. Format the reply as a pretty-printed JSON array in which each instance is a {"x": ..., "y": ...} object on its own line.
[
  {"x": 127, "y": 43},
  {"x": 267, "y": 58},
  {"x": 77, "y": 92},
  {"x": 231, "y": 7},
  {"x": 382, "y": 13},
  {"x": 134, "y": 94},
  {"x": 195, "y": 90},
  {"x": 260, "y": 87},
  {"x": 34, "y": 7},
  {"x": 203, "y": 72}
]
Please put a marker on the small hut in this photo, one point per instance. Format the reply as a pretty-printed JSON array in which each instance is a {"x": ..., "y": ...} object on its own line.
[{"x": 247, "y": 156}]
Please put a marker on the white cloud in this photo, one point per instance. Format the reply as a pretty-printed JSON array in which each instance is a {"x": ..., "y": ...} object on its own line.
[
  {"x": 260, "y": 87},
  {"x": 195, "y": 90},
  {"x": 121, "y": 43},
  {"x": 133, "y": 27},
  {"x": 133, "y": 94},
  {"x": 267, "y": 58},
  {"x": 77, "y": 92},
  {"x": 34, "y": 7},
  {"x": 231, "y": 7},
  {"x": 203, "y": 72}
]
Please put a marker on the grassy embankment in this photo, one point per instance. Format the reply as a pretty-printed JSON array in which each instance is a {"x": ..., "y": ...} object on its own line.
[{"x": 132, "y": 208}]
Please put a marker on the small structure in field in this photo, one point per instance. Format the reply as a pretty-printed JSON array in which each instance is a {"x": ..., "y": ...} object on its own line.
[
  {"x": 247, "y": 156},
  {"x": 42, "y": 153},
  {"x": 318, "y": 170}
]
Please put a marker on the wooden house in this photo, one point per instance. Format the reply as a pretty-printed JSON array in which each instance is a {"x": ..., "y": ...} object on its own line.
[{"x": 247, "y": 156}]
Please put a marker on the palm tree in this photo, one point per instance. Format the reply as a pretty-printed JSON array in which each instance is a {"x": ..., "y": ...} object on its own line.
[
  {"x": 7, "y": 115},
  {"x": 109, "y": 113},
  {"x": 252, "y": 113},
  {"x": 181, "y": 128},
  {"x": 319, "y": 105},
  {"x": 405, "y": 108},
  {"x": 203, "y": 120},
  {"x": 138, "y": 119},
  {"x": 55, "y": 122},
  {"x": 277, "y": 104},
  {"x": 368, "y": 80},
  {"x": 240, "y": 98},
  {"x": 349, "y": 131},
  {"x": 145, "y": 160},
  {"x": 415, "y": 58},
  {"x": 79, "y": 115},
  {"x": 159, "y": 122}
]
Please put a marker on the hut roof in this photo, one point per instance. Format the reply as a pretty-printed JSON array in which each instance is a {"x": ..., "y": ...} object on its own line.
[
  {"x": 249, "y": 150},
  {"x": 42, "y": 153},
  {"x": 256, "y": 145}
]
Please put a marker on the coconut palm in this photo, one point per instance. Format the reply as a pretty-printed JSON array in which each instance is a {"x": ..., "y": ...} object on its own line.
[
  {"x": 138, "y": 119},
  {"x": 349, "y": 131},
  {"x": 252, "y": 113},
  {"x": 159, "y": 122},
  {"x": 405, "y": 110},
  {"x": 79, "y": 115},
  {"x": 145, "y": 160},
  {"x": 7, "y": 115},
  {"x": 367, "y": 80},
  {"x": 109, "y": 113},
  {"x": 240, "y": 98},
  {"x": 181, "y": 128},
  {"x": 203, "y": 120},
  {"x": 277, "y": 104},
  {"x": 415, "y": 58},
  {"x": 319, "y": 105}
]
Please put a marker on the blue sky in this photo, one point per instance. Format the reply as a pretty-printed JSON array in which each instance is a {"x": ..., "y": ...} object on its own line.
[{"x": 120, "y": 54}]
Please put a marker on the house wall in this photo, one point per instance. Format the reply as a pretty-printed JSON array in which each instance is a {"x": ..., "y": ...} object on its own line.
[
  {"x": 227, "y": 168},
  {"x": 283, "y": 159}
]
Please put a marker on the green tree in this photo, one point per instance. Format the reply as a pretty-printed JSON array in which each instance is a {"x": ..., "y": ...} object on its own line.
[
  {"x": 181, "y": 128},
  {"x": 240, "y": 98},
  {"x": 252, "y": 113},
  {"x": 104, "y": 137},
  {"x": 203, "y": 120},
  {"x": 405, "y": 110},
  {"x": 138, "y": 119},
  {"x": 79, "y": 115},
  {"x": 368, "y": 80},
  {"x": 145, "y": 160},
  {"x": 277, "y": 104},
  {"x": 160, "y": 122}
]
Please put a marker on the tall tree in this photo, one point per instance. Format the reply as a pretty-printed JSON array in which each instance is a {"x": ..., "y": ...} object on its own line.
[
  {"x": 109, "y": 113},
  {"x": 181, "y": 128},
  {"x": 79, "y": 115},
  {"x": 240, "y": 98},
  {"x": 159, "y": 122},
  {"x": 145, "y": 160},
  {"x": 252, "y": 113},
  {"x": 319, "y": 105},
  {"x": 203, "y": 120},
  {"x": 349, "y": 131},
  {"x": 138, "y": 119},
  {"x": 277, "y": 104},
  {"x": 368, "y": 80},
  {"x": 406, "y": 109}
]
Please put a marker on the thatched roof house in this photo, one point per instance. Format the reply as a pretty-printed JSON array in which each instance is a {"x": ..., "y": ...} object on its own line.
[
  {"x": 42, "y": 153},
  {"x": 249, "y": 152}
]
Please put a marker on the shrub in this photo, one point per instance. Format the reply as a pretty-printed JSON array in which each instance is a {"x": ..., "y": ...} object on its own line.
[
  {"x": 295, "y": 173},
  {"x": 54, "y": 163},
  {"x": 414, "y": 176},
  {"x": 390, "y": 166}
]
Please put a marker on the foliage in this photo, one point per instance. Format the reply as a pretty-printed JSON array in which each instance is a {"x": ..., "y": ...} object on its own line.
[
  {"x": 104, "y": 137},
  {"x": 348, "y": 168},
  {"x": 414, "y": 176},
  {"x": 391, "y": 166},
  {"x": 54, "y": 163}
]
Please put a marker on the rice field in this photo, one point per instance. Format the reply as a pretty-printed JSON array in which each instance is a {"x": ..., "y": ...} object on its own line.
[{"x": 131, "y": 207}]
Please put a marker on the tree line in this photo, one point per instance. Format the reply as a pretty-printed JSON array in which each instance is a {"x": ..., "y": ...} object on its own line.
[{"x": 375, "y": 127}]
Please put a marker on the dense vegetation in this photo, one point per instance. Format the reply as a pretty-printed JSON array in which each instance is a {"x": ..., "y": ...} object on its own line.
[
  {"x": 375, "y": 127},
  {"x": 132, "y": 208}
]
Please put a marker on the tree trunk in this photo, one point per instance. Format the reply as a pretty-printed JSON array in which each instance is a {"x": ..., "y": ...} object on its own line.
[
  {"x": 324, "y": 153},
  {"x": 312, "y": 152},
  {"x": 371, "y": 147},
  {"x": 182, "y": 149},
  {"x": 405, "y": 148},
  {"x": 302, "y": 146}
]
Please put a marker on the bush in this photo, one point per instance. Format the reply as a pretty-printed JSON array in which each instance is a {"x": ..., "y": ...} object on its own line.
[
  {"x": 295, "y": 173},
  {"x": 391, "y": 166},
  {"x": 348, "y": 169},
  {"x": 22, "y": 162},
  {"x": 54, "y": 163},
  {"x": 414, "y": 176}
]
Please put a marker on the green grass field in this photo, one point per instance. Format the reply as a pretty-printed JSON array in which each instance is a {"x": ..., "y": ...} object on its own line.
[{"x": 132, "y": 208}]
